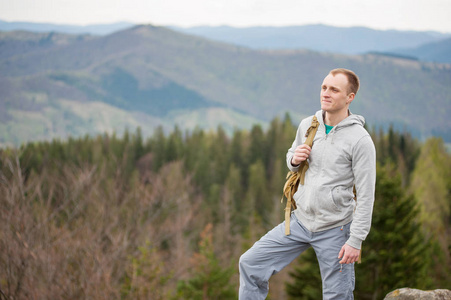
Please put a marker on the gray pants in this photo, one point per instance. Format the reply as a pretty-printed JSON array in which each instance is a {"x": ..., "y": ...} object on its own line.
[{"x": 275, "y": 250}]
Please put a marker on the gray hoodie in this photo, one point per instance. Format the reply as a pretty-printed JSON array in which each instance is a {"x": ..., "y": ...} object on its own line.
[{"x": 344, "y": 157}]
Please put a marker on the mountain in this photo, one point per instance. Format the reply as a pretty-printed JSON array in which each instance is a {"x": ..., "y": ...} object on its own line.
[
  {"x": 97, "y": 29},
  {"x": 346, "y": 40},
  {"x": 433, "y": 52},
  {"x": 324, "y": 38},
  {"x": 152, "y": 76}
]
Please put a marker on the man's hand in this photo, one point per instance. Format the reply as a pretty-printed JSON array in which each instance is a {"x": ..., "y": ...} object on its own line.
[
  {"x": 349, "y": 254},
  {"x": 301, "y": 153}
]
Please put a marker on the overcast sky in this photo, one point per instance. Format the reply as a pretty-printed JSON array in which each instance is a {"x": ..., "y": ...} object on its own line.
[{"x": 419, "y": 15}]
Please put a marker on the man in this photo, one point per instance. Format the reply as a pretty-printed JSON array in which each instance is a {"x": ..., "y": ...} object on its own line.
[{"x": 327, "y": 218}]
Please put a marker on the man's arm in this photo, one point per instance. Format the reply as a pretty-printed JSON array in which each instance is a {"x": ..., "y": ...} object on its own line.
[{"x": 364, "y": 169}]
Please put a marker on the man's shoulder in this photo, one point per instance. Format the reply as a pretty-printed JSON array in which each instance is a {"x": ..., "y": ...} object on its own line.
[
  {"x": 361, "y": 139},
  {"x": 355, "y": 133}
]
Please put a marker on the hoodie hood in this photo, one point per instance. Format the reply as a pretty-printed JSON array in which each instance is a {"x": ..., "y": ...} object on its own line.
[{"x": 350, "y": 120}]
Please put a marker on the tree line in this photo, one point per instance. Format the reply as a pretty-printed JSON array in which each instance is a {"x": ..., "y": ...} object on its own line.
[{"x": 168, "y": 216}]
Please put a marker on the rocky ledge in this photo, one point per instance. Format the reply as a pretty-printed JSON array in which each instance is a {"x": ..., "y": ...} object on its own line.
[{"x": 414, "y": 294}]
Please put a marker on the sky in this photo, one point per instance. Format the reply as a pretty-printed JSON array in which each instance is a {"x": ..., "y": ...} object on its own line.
[{"x": 418, "y": 15}]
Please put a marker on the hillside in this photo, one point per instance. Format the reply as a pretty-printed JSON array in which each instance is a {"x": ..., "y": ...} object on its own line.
[
  {"x": 149, "y": 76},
  {"x": 22, "y": 42}
]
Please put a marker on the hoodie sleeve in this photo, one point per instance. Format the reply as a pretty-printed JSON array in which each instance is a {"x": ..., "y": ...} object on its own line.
[
  {"x": 364, "y": 169},
  {"x": 297, "y": 141}
]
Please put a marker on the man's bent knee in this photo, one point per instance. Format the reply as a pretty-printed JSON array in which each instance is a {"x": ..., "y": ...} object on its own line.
[
  {"x": 252, "y": 284},
  {"x": 252, "y": 275}
]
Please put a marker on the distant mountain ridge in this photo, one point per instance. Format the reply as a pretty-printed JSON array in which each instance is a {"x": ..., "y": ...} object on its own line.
[
  {"x": 96, "y": 29},
  {"x": 324, "y": 38},
  {"x": 439, "y": 51},
  {"x": 149, "y": 76},
  {"x": 346, "y": 40}
]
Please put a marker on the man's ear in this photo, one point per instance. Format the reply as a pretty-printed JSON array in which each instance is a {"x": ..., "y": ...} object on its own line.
[{"x": 351, "y": 97}]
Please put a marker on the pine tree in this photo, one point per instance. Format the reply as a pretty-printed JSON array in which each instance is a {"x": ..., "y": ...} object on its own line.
[
  {"x": 158, "y": 146},
  {"x": 431, "y": 185},
  {"x": 258, "y": 196},
  {"x": 395, "y": 253},
  {"x": 257, "y": 145},
  {"x": 175, "y": 145},
  {"x": 209, "y": 280},
  {"x": 219, "y": 156},
  {"x": 144, "y": 278},
  {"x": 138, "y": 144}
]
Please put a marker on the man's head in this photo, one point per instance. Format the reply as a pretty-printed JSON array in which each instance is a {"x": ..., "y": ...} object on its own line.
[
  {"x": 353, "y": 79},
  {"x": 338, "y": 91}
]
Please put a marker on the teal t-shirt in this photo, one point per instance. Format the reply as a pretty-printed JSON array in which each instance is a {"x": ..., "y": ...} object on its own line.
[{"x": 328, "y": 128}]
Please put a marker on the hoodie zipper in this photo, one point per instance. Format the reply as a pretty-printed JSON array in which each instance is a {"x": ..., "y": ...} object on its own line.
[{"x": 335, "y": 129}]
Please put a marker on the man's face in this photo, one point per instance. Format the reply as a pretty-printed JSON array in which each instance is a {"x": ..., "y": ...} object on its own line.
[{"x": 334, "y": 93}]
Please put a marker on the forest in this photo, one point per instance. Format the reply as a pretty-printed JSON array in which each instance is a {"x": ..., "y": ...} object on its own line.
[{"x": 168, "y": 216}]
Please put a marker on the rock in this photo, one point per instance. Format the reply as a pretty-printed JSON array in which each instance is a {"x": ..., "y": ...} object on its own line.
[{"x": 414, "y": 294}]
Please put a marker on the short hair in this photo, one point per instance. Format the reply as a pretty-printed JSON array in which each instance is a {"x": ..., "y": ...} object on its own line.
[{"x": 353, "y": 79}]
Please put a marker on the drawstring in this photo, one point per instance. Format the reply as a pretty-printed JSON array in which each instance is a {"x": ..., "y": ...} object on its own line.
[{"x": 341, "y": 265}]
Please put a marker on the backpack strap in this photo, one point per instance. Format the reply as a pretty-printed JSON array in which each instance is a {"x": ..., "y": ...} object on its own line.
[{"x": 296, "y": 178}]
